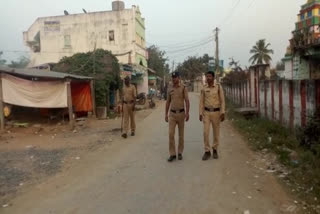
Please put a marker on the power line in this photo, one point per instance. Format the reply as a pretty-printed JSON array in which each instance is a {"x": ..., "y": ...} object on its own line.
[
  {"x": 251, "y": 3},
  {"x": 231, "y": 13},
  {"x": 249, "y": 6},
  {"x": 182, "y": 44},
  {"x": 191, "y": 47},
  {"x": 184, "y": 54}
]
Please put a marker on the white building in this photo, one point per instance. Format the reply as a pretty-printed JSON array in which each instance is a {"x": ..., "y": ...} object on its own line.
[{"x": 122, "y": 31}]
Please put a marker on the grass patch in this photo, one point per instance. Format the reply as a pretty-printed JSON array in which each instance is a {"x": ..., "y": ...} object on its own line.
[{"x": 301, "y": 158}]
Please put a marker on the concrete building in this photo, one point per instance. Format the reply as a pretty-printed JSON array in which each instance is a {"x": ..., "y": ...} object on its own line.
[
  {"x": 121, "y": 31},
  {"x": 302, "y": 57}
]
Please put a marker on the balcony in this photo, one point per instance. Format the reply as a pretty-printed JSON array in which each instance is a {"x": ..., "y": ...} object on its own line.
[{"x": 305, "y": 40}]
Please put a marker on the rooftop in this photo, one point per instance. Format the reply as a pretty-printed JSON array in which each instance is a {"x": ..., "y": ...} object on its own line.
[{"x": 36, "y": 73}]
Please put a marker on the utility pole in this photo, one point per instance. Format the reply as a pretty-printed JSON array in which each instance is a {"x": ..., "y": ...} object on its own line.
[
  {"x": 172, "y": 66},
  {"x": 217, "y": 53}
]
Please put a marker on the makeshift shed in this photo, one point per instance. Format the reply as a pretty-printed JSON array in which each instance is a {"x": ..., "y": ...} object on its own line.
[{"x": 46, "y": 89}]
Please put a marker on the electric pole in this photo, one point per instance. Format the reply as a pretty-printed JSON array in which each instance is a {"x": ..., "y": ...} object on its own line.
[
  {"x": 172, "y": 68},
  {"x": 217, "y": 53}
]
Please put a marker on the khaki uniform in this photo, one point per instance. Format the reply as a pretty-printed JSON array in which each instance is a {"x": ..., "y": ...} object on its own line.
[
  {"x": 177, "y": 97},
  {"x": 212, "y": 105},
  {"x": 129, "y": 96}
]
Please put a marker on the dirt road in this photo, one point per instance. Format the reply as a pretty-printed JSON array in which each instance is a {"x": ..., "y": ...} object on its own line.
[{"x": 133, "y": 176}]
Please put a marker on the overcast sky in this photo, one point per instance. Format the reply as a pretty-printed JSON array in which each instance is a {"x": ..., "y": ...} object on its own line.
[{"x": 174, "y": 25}]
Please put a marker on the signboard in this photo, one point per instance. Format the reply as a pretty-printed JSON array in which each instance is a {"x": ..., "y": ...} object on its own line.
[
  {"x": 52, "y": 26},
  {"x": 212, "y": 63}
]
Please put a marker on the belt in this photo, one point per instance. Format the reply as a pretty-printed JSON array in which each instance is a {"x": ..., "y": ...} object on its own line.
[
  {"x": 212, "y": 109},
  {"x": 129, "y": 102},
  {"x": 177, "y": 111}
]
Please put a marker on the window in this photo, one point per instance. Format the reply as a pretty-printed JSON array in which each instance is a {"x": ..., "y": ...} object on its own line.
[
  {"x": 111, "y": 35},
  {"x": 309, "y": 13},
  {"x": 67, "y": 41},
  {"x": 302, "y": 16}
]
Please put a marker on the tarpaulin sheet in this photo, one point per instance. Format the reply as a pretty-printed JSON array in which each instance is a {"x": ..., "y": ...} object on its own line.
[
  {"x": 37, "y": 94},
  {"x": 81, "y": 96}
]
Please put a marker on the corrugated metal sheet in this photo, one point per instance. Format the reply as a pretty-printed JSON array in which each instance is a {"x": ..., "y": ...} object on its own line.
[{"x": 41, "y": 74}]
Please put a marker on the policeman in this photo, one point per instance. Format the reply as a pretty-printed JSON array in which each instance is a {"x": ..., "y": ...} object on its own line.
[
  {"x": 129, "y": 103},
  {"x": 211, "y": 111},
  {"x": 179, "y": 105}
]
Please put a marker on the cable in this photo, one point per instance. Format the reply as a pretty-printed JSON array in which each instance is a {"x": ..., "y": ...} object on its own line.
[
  {"x": 249, "y": 6},
  {"x": 251, "y": 3},
  {"x": 186, "y": 43},
  {"x": 184, "y": 53},
  {"x": 231, "y": 13},
  {"x": 192, "y": 47}
]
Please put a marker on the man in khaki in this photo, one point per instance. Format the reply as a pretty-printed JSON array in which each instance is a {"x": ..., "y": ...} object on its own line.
[
  {"x": 129, "y": 103},
  {"x": 211, "y": 111},
  {"x": 177, "y": 100}
]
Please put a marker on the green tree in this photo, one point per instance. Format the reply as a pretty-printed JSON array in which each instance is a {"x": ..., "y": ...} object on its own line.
[
  {"x": 234, "y": 65},
  {"x": 21, "y": 63},
  {"x": 261, "y": 53},
  {"x": 2, "y": 61},
  {"x": 100, "y": 64},
  {"x": 158, "y": 61},
  {"x": 194, "y": 67}
]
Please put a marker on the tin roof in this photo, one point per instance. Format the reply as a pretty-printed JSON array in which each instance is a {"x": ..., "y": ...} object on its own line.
[{"x": 26, "y": 72}]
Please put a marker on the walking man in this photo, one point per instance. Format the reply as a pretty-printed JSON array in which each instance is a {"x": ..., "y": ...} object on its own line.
[
  {"x": 179, "y": 105},
  {"x": 129, "y": 103},
  {"x": 211, "y": 111}
]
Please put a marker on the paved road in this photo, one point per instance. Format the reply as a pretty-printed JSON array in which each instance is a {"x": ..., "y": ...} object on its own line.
[{"x": 133, "y": 176}]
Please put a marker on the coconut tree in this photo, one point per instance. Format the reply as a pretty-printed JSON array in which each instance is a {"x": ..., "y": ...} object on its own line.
[{"x": 261, "y": 53}]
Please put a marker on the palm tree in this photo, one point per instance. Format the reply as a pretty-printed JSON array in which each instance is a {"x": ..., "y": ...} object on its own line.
[{"x": 260, "y": 52}]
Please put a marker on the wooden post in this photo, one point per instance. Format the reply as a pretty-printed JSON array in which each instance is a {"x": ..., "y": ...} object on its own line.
[
  {"x": 71, "y": 119},
  {"x": 93, "y": 98},
  {"x": 1, "y": 105}
]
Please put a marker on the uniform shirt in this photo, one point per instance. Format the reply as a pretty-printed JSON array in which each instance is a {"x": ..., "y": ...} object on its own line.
[
  {"x": 129, "y": 93},
  {"x": 177, "y": 96},
  {"x": 212, "y": 97}
]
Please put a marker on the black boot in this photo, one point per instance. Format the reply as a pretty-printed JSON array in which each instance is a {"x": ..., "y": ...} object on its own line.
[
  {"x": 172, "y": 158},
  {"x": 206, "y": 156},
  {"x": 124, "y": 135},
  {"x": 133, "y": 134},
  {"x": 215, "y": 154},
  {"x": 180, "y": 157}
]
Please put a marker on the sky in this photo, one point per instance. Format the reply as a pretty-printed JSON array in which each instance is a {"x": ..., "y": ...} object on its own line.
[{"x": 182, "y": 28}]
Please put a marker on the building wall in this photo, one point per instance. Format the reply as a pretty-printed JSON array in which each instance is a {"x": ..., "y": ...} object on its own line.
[
  {"x": 197, "y": 86},
  {"x": 292, "y": 101},
  {"x": 276, "y": 100},
  {"x": 300, "y": 68},
  {"x": 252, "y": 86},
  {"x": 288, "y": 71},
  {"x": 297, "y": 103},
  {"x": 144, "y": 86},
  {"x": 285, "y": 102},
  {"x": 66, "y": 35}
]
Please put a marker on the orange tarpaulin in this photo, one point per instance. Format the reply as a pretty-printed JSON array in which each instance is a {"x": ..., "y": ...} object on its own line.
[{"x": 81, "y": 96}]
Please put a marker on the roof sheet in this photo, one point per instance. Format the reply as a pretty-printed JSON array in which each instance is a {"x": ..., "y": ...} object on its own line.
[{"x": 26, "y": 72}]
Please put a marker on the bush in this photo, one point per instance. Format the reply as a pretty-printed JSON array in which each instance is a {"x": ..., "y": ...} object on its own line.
[{"x": 309, "y": 136}]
